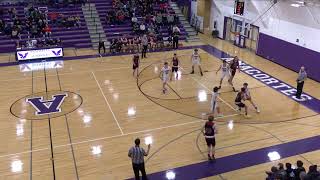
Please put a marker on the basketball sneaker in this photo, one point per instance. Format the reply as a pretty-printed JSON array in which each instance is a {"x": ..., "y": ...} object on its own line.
[
  {"x": 247, "y": 116},
  {"x": 220, "y": 115},
  {"x": 257, "y": 109}
]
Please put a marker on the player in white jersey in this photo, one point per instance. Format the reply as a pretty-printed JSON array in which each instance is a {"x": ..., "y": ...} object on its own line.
[
  {"x": 195, "y": 59},
  {"x": 164, "y": 75},
  {"x": 214, "y": 102},
  {"x": 225, "y": 72},
  {"x": 247, "y": 96}
]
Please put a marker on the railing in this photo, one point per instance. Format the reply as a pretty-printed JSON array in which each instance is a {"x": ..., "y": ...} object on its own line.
[{"x": 92, "y": 9}]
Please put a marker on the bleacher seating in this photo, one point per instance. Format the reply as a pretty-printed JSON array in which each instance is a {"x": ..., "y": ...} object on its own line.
[
  {"x": 77, "y": 37},
  {"x": 114, "y": 31}
]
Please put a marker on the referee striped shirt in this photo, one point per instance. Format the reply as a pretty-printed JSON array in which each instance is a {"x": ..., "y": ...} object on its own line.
[{"x": 137, "y": 154}]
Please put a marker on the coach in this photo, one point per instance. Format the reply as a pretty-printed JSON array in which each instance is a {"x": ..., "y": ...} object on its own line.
[
  {"x": 136, "y": 153},
  {"x": 300, "y": 81}
]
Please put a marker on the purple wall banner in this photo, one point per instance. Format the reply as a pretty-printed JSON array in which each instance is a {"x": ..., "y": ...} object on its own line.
[{"x": 289, "y": 55}]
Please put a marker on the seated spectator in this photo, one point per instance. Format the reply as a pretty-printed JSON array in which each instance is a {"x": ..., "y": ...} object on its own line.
[
  {"x": 130, "y": 45},
  {"x": 2, "y": 25},
  {"x": 165, "y": 19},
  {"x": 142, "y": 28},
  {"x": 47, "y": 31},
  {"x": 124, "y": 42},
  {"x": 159, "y": 19},
  {"x": 77, "y": 21},
  {"x": 14, "y": 33},
  {"x": 134, "y": 20},
  {"x": 53, "y": 16},
  {"x": 299, "y": 169},
  {"x": 170, "y": 19},
  {"x": 113, "y": 46}
]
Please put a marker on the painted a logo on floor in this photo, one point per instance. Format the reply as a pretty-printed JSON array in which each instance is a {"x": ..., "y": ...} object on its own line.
[{"x": 52, "y": 105}]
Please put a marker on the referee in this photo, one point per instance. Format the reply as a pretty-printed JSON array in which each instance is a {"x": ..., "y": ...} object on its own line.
[
  {"x": 300, "y": 81},
  {"x": 136, "y": 153}
]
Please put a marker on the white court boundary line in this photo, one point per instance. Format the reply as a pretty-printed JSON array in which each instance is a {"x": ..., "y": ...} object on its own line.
[
  {"x": 105, "y": 99},
  {"x": 115, "y": 136}
]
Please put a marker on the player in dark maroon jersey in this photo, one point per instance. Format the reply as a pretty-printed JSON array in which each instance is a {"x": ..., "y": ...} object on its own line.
[
  {"x": 234, "y": 65},
  {"x": 209, "y": 132},
  {"x": 135, "y": 65},
  {"x": 175, "y": 66}
]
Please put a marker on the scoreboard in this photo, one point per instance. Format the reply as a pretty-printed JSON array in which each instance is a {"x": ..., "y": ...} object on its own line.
[{"x": 239, "y": 7}]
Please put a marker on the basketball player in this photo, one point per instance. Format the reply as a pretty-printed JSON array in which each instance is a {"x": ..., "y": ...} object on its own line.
[
  {"x": 164, "y": 75},
  {"x": 214, "y": 102},
  {"x": 234, "y": 65},
  {"x": 238, "y": 101},
  {"x": 225, "y": 71},
  {"x": 195, "y": 59},
  {"x": 135, "y": 65},
  {"x": 175, "y": 66},
  {"x": 209, "y": 131},
  {"x": 247, "y": 96}
]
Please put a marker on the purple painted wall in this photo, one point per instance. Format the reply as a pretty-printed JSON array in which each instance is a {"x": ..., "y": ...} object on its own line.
[{"x": 289, "y": 55}]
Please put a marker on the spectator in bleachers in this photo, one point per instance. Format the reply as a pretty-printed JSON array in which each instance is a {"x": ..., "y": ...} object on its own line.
[
  {"x": 134, "y": 20},
  {"x": 47, "y": 31},
  {"x": 124, "y": 41},
  {"x": 15, "y": 33},
  {"x": 170, "y": 18},
  {"x": 2, "y": 25},
  {"x": 159, "y": 19},
  {"x": 142, "y": 28},
  {"x": 113, "y": 46}
]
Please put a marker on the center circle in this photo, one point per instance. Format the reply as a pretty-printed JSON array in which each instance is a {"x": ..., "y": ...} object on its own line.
[{"x": 44, "y": 105}]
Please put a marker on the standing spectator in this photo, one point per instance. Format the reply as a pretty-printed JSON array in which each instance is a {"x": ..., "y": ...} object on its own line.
[
  {"x": 176, "y": 33},
  {"x": 101, "y": 45},
  {"x": 144, "y": 42},
  {"x": 289, "y": 171},
  {"x": 272, "y": 174},
  {"x": 136, "y": 153},
  {"x": 209, "y": 131},
  {"x": 300, "y": 81},
  {"x": 281, "y": 171},
  {"x": 313, "y": 173},
  {"x": 299, "y": 169}
]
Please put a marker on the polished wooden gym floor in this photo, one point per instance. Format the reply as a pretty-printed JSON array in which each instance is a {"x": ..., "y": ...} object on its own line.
[{"x": 107, "y": 108}]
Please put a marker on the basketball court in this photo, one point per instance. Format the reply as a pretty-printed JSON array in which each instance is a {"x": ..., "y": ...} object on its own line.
[{"x": 103, "y": 108}]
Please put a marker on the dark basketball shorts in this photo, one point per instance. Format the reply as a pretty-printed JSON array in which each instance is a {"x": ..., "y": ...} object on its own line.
[
  {"x": 240, "y": 104},
  {"x": 233, "y": 72},
  {"x": 175, "y": 69},
  {"x": 211, "y": 141},
  {"x": 135, "y": 66}
]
